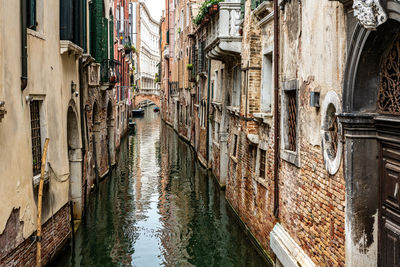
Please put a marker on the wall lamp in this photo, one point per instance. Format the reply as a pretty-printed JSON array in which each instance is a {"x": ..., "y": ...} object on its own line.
[{"x": 73, "y": 89}]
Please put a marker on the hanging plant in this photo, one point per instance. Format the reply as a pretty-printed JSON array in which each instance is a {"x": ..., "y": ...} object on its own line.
[{"x": 209, "y": 7}]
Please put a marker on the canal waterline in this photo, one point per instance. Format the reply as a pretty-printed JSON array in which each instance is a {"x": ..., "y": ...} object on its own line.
[{"x": 159, "y": 207}]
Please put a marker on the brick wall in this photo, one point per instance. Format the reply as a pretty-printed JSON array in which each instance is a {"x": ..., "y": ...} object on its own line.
[{"x": 55, "y": 232}]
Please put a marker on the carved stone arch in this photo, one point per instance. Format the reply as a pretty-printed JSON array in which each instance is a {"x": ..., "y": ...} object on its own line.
[
  {"x": 362, "y": 149},
  {"x": 364, "y": 63},
  {"x": 74, "y": 145}
]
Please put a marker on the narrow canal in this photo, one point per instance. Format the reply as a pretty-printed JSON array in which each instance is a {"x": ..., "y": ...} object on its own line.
[{"x": 159, "y": 208}]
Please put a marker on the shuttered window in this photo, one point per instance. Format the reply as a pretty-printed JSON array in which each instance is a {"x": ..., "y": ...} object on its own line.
[
  {"x": 71, "y": 21},
  {"x": 31, "y": 14}
]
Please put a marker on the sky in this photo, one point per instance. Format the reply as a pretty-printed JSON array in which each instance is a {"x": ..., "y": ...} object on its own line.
[{"x": 155, "y": 7}]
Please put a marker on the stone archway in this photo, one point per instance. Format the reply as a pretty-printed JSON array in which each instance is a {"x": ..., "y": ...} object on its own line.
[
  {"x": 75, "y": 162},
  {"x": 110, "y": 134},
  {"x": 367, "y": 133}
]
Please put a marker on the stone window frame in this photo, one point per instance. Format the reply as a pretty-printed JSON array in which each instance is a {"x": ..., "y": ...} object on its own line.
[
  {"x": 267, "y": 53},
  {"x": 331, "y": 100},
  {"x": 43, "y": 130},
  {"x": 287, "y": 154},
  {"x": 236, "y": 85}
]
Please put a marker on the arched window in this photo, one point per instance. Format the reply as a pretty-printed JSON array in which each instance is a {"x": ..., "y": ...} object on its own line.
[{"x": 389, "y": 87}]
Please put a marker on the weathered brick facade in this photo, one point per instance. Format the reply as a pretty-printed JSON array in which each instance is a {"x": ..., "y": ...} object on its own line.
[
  {"x": 310, "y": 203},
  {"x": 55, "y": 232}
]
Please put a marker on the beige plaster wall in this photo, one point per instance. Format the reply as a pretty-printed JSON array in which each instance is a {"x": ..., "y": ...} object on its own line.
[{"x": 49, "y": 78}]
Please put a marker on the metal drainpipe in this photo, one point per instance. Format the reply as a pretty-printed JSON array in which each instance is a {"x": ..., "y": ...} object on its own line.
[
  {"x": 276, "y": 109},
  {"x": 208, "y": 109},
  {"x": 24, "y": 50}
]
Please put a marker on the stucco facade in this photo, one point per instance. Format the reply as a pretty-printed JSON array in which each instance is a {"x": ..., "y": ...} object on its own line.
[{"x": 52, "y": 66}]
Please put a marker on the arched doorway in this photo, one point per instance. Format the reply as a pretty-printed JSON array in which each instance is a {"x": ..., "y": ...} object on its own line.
[
  {"x": 110, "y": 135},
  {"x": 371, "y": 123},
  {"x": 75, "y": 163}
]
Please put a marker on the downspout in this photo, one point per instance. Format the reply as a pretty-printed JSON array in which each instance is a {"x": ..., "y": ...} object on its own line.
[
  {"x": 276, "y": 109},
  {"x": 208, "y": 109},
  {"x": 24, "y": 50}
]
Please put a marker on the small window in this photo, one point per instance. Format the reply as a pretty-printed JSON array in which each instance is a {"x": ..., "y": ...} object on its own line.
[
  {"x": 266, "y": 86},
  {"x": 235, "y": 144},
  {"x": 292, "y": 119},
  {"x": 262, "y": 163},
  {"x": 236, "y": 86},
  {"x": 36, "y": 137}
]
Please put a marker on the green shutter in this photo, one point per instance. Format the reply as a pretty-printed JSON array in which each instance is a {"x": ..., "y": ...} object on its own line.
[
  {"x": 31, "y": 14},
  {"x": 167, "y": 37},
  {"x": 242, "y": 8},
  {"x": 111, "y": 37}
]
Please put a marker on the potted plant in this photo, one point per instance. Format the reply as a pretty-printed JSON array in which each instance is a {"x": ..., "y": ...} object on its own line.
[
  {"x": 133, "y": 49},
  {"x": 189, "y": 66},
  {"x": 127, "y": 48}
]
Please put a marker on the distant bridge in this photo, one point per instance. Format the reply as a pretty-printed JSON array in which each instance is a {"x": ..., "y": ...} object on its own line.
[{"x": 142, "y": 95}]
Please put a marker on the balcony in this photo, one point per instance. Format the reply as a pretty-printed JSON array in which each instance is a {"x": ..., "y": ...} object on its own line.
[
  {"x": 166, "y": 52},
  {"x": 110, "y": 72},
  {"x": 224, "y": 39}
]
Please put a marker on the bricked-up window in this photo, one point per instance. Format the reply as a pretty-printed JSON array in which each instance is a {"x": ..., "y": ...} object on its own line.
[
  {"x": 292, "y": 119},
  {"x": 36, "y": 137},
  {"x": 262, "y": 163}
]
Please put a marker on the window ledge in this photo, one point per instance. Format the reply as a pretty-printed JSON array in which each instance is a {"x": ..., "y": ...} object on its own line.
[
  {"x": 216, "y": 143},
  {"x": 291, "y": 157},
  {"x": 234, "y": 159},
  {"x": 233, "y": 110},
  {"x": 263, "y": 117},
  {"x": 36, "y": 179},
  {"x": 70, "y": 47},
  {"x": 36, "y": 34},
  {"x": 261, "y": 181},
  {"x": 217, "y": 105}
]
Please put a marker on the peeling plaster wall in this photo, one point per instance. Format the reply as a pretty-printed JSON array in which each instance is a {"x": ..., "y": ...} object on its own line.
[{"x": 49, "y": 78}]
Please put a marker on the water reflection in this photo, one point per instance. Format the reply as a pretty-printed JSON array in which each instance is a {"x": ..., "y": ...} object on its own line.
[{"x": 159, "y": 208}]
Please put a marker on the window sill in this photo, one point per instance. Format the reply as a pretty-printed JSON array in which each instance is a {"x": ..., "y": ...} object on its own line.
[
  {"x": 234, "y": 159},
  {"x": 262, "y": 117},
  {"x": 36, "y": 34},
  {"x": 291, "y": 157},
  {"x": 70, "y": 47},
  {"x": 233, "y": 110},
  {"x": 216, "y": 144},
  {"x": 261, "y": 181},
  {"x": 36, "y": 179},
  {"x": 217, "y": 105}
]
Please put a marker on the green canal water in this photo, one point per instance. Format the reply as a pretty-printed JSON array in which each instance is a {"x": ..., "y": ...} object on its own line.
[{"x": 159, "y": 207}]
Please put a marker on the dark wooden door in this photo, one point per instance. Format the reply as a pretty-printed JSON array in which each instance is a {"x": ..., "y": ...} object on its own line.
[{"x": 389, "y": 223}]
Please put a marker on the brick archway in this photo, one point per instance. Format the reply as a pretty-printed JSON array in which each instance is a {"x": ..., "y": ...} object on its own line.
[{"x": 138, "y": 98}]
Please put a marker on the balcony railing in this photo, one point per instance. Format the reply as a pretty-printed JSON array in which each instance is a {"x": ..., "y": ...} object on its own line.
[
  {"x": 110, "y": 72},
  {"x": 148, "y": 91},
  {"x": 223, "y": 36}
]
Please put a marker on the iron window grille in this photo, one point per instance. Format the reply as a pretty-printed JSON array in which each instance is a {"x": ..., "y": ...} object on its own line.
[
  {"x": 292, "y": 119},
  {"x": 389, "y": 93},
  {"x": 263, "y": 159},
  {"x": 36, "y": 137}
]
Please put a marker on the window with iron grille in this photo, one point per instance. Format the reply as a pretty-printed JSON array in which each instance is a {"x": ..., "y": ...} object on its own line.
[
  {"x": 36, "y": 137},
  {"x": 235, "y": 144},
  {"x": 292, "y": 119},
  {"x": 262, "y": 163}
]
